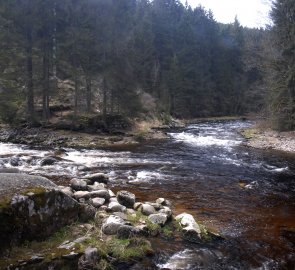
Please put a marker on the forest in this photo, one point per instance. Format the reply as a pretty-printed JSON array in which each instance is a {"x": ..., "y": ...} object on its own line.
[{"x": 143, "y": 59}]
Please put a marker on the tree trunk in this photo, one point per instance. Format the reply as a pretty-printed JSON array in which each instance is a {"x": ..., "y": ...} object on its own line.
[
  {"x": 45, "y": 93},
  {"x": 104, "y": 103},
  {"x": 29, "y": 79},
  {"x": 88, "y": 93},
  {"x": 76, "y": 93}
]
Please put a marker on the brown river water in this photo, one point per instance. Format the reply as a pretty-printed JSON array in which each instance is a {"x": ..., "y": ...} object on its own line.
[{"x": 245, "y": 194}]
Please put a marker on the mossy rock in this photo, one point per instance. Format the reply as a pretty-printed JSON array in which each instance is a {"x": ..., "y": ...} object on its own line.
[{"x": 32, "y": 208}]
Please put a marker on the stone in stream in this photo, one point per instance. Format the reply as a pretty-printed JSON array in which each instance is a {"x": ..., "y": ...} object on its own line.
[
  {"x": 112, "y": 194},
  {"x": 190, "y": 228},
  {"x": 101, "y": 194},
  {"x": 112, "y": 224},
  {"x": 78, "y": 184},
  {"x": 147, "y": 209},
  {"x": 98, "y": 177},
  {"x": 127, "y": 231},
  {"x": 116, "y": 207},
  {"x": 126, "y": 198},
  {"x": 167, "y": 211},
  {"x": 163, "y": 202},
  {"x": 89, "y": 260},
  {"x": 48, "y": 161},
  {"x": 159, "y": 219},
  {"x": 82, "y": 195},
  {"x": 15, "y": 161},
  {"x": 87, "y": 212},
  {"x": 67, "y": 190},
  {"x": 137, "y": 206},
  {"x": 97, "y": 202},
  {"x": 96, "y": 186},
  {"x": 32, "y": 208}
]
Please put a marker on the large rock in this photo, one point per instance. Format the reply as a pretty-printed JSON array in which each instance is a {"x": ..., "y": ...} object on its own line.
[
  {"x": 78, "y": 184},
  {"x": 159, "y": 219},
  {"x": 89, "y": 259},
  {"x": 48, "y": 161},
  {"x": 97, "y": 202},
  {"x": 32, "y": 208},
  {"x": 112, "y": 225},
  {"x": 100, "y": 194},
  {"x": 148, "y": 209},
  {"x": 190, "y": 228},
  {"x": 116, "y": 207},
  {"x": 126, "y": 198}
]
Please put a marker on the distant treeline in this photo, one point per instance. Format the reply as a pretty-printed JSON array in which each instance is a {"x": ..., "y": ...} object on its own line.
[{"x": 130, "y": 57}]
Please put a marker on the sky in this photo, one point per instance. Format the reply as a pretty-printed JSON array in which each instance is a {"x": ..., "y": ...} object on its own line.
[{"x": 251, "y": 13}]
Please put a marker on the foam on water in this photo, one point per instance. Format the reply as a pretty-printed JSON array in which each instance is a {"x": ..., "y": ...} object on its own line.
[{"x": 198, "y": 140}]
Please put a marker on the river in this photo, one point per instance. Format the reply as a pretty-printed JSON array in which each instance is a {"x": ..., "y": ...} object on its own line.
[{"x": 247, "y": 195}]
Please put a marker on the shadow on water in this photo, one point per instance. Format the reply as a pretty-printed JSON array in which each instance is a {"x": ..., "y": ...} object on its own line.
[{"x": 246, "y": 194}]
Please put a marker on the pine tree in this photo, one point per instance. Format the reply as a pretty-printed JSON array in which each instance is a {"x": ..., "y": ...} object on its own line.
[{"x": 283, "y": 90}]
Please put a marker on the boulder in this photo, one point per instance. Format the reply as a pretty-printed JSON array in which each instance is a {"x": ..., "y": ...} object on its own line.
[
  {"x": 157, "y": 206},
  {"x": 163, "y": 202},
  {"x": 97, "y": 202},
  {"x": 48, "y": 161},
  {"x": 32, "y": 208},
  {"x": 147, "y": 209},
  {"x": 112, "y": 225},
  {"x": 112, "y": 194},
  {"x": 101, "y": 194},
  {"x": 116, "y": 207},
  {"x": 87, "y": 212},
  {"x": 190, "y": 228},
  {"x": 127, "y": 231},
  {"x": 82, "y": 195},
  {"x": 167, "y": 211},
  {"x": 89, "y": 260},
  {"x": 159, "y": 219},
  {"x": 98, "y": 177},
  {"x": 137, "y": 206},
  {"x": 78, "y": 184},
  {"x": 126, "y": 198},
  {"x": 15, "y": 161},
  {"x": 67, "y": 190}
]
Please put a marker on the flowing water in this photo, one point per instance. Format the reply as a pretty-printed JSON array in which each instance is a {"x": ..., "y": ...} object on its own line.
[{"x": 247, "y": 195}]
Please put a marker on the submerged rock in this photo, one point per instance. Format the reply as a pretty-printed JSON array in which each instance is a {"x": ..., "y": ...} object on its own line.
[
  {"x": 48, "y": 161},
  {"x": 32, "y": 208}
]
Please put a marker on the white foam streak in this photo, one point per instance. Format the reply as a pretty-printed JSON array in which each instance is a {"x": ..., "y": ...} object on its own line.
[
  {"x": 178, "y": 261},
  {"x": 198, "y": 140}
]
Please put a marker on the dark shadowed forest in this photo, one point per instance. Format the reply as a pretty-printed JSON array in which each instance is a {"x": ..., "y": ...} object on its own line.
[{"x": 140, "y": 58}]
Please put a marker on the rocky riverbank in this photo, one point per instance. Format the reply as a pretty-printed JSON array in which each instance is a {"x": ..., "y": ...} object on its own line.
[
  {"x": 111, "y": 231},
  {"x": 269, "y": 139},
  {"x": 56, "y": 137}
]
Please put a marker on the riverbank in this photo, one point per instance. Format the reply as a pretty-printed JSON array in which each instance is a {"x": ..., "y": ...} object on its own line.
[
  {"x": 61, "y": 138},
  {"x": 257, "y": 137}
]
